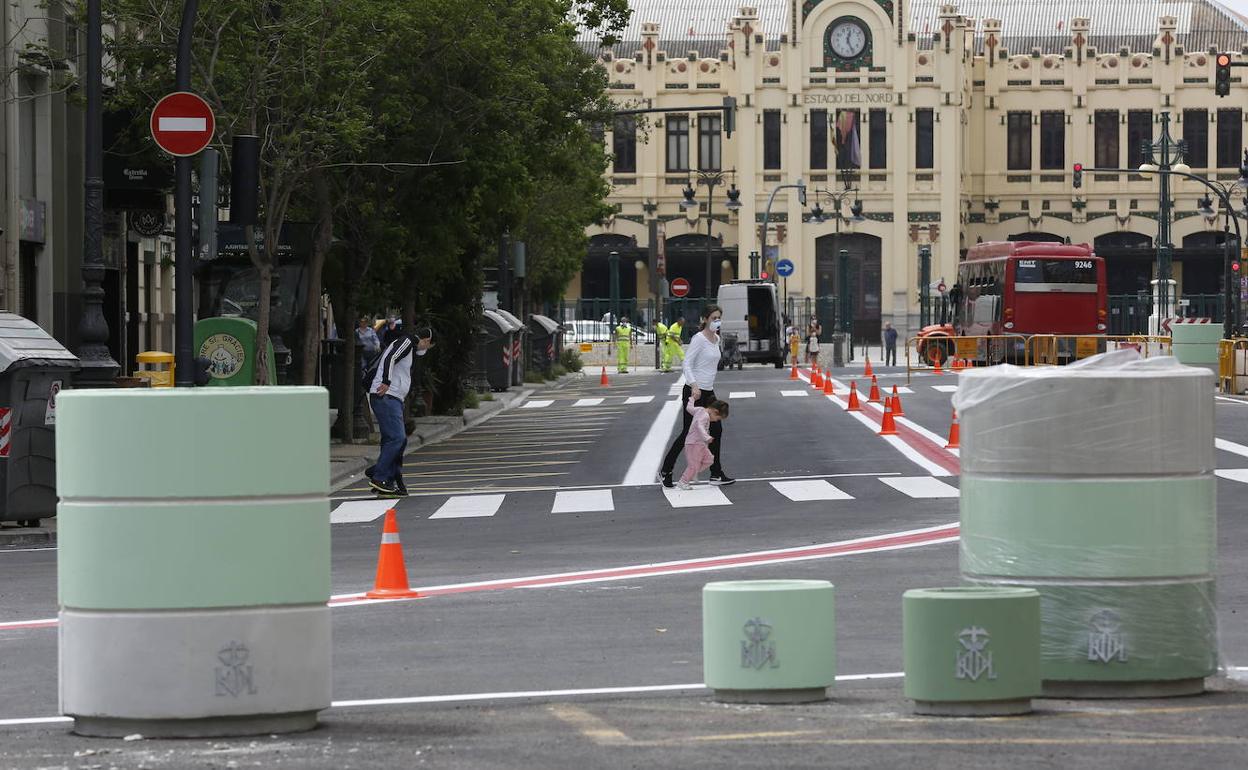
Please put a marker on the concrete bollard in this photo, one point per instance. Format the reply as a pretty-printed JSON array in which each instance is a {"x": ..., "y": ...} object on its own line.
[
  {"x": 971, "y": 651},
  {"x": 769, "y": 641},
  {"x": 1094, "y": 484},
  {"x": 1197, "y": 344},
  {"x": 194, "y": 560}
]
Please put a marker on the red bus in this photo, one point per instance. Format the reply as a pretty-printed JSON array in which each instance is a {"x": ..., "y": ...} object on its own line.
[{"x": 1022, "y": 288}]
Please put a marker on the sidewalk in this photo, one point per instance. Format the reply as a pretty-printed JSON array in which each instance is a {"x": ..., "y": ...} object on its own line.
[{"x": 345, "y": 460}]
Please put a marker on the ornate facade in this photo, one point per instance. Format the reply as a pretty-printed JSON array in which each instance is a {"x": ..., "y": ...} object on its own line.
[{"x": 947, "y": 129}]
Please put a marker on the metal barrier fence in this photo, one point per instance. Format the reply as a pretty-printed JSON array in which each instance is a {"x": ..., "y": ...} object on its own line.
[
  {"x": 1058, "y": 349},
  {"x": 982, "y": 350},
  {"x": 1128, "y": 313},
  {"x": 1233, "y": 366}
]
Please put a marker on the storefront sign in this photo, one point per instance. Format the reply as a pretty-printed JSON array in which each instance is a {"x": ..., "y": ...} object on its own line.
[{"x": 31, "y": 220}]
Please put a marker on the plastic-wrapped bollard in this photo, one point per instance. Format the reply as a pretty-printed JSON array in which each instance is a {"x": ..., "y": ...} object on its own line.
[{"x": 194, "y": 560}]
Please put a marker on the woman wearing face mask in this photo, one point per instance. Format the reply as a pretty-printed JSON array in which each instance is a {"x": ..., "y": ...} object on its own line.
[{"x": 701, "y": 364}]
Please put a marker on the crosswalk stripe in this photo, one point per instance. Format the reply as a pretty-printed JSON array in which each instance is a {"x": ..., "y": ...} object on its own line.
[
  {"x": 794, "y": 393},
  {"x": 1230, "y": 446},
  {"x": 698, "y": 497},
  {"x": 903, "y": 390},
  {"x": 469, "y": 506},
  {"x": 741, "y": 394},
  {"x": 589, "y": 402},
  {"x": 639, "y": 399},
  {"x": 535, "y": 404},
  {"x": 921, "y": 486},
  {"x": 360, "y": 511},
  {"x": 583, "y": 501},
  {"x": 808, "y": 490},
  {"x": 945, "y": 388},
  {"x": 1234, "y": 474}
]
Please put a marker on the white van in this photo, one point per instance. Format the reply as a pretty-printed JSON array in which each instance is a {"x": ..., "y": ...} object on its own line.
[{"x": 752, "y": 312}]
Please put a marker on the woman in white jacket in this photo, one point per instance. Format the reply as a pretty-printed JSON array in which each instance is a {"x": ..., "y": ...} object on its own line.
[{"x": 701, "y": 365}]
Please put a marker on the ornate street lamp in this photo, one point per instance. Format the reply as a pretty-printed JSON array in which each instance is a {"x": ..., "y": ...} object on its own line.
[{"x": 711, "y": 179}]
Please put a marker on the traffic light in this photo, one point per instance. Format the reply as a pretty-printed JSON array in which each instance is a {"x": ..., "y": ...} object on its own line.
[
  {"x": 1078, "y": 179},
  {"x": 1222, "y": 74},
  {"x": 769, "y": 267},
  {"x": 730, "y": 115}
]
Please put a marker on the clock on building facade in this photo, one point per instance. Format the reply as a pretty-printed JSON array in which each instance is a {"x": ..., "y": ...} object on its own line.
[{"x": 847, "y": 44}]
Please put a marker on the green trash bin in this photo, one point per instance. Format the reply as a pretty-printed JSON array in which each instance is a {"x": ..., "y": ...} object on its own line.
[{"x": 229, "y": 345}]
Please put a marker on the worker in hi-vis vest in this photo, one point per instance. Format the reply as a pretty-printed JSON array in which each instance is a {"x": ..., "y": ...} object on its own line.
[
  {"x": 671, "y": 346},
  {"x": 623, "y": 337},
  {"x": 660, "y": 339}
]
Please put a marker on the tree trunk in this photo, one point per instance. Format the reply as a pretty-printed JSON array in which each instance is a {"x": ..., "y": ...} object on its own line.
[
  {"x": 316, "y": 266},
  {"x": 262, "y": 326}
]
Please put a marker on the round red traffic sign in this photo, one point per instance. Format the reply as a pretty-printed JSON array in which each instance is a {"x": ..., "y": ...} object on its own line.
[
  {"x": 940, "y": 287},
  {"x": 680, "y": 287},
  {"x": 182, "y": 123}
]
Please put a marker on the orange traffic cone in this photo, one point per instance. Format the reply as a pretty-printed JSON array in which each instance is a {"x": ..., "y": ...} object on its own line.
[
  {"x": 954, "y": 433},
  {"x": 816, "y": 379},
  {"x": 868, "y": 372},
  {"x": 874, "y": 396},
  {"x": 937, "y": 356},
  {"x": 603, "y": 380},
  {"x": 897, "y": 403},
  {"x": 391, "y": 580},
  {"x": 793, "y": 372},
  {"x": 887, "y": 426},
  {"x": 854, "y": 406},
  {"x": 827, "y": 386}
]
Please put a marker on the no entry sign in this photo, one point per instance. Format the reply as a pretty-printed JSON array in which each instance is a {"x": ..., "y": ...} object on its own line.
[
  {"x": 182, "y": 123},
  {"x": 680, "y": 287}
]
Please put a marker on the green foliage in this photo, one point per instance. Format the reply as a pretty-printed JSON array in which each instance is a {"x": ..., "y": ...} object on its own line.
[
  {"x": 570, "y": 360},
  {"x": 471, "y": 400},
  {"x": 557, "y": 371}
]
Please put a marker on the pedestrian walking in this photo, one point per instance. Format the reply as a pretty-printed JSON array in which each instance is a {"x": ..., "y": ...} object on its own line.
[
  {"x": 391, "y": 383},
  {"x": 700, "y": 368},
  {"x": 623, "y": 339},
  {"x": 890, "y": 345},
  {"x": 698, "y": 455},
  {"x": 813, "y": 330},
  {"x": 671, "y": 345},
  {"x": 791, "y": 338},
  {"x": 367, "y": 337}
]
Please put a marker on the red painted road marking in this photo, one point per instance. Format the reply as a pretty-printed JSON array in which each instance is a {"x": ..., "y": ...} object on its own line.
[
  {"x": 929, "y": 449},
  {"x": 890, "y": 542}
]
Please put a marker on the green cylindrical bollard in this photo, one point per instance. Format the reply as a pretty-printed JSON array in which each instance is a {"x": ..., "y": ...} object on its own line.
[
  {"x": 194, "y": 560},
  {"x": 769, "y": 641},
  {"x": 971, "y": 651},
  {"x": 1094, "y": 484}
]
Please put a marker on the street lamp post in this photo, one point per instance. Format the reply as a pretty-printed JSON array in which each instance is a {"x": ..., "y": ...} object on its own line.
[
  {"x": 800, "y": 186},
  {"x": 711, "y": 179},
  {"x": 613, "y": 268},
  {"x": 817, "y": 216},
  {"x": 1164, "y": 156}
]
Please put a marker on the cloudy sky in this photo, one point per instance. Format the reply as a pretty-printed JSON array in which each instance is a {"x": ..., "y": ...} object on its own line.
[{"x": 1240, "y": 6}]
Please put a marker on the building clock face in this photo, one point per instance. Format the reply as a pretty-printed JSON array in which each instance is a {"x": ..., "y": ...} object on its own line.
[{"x": 848, "y": 39}]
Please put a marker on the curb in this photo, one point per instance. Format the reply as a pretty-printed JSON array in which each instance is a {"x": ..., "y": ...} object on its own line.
[
  {"x": 431, "y": 430},
  {"x": 12, "y": 538}
]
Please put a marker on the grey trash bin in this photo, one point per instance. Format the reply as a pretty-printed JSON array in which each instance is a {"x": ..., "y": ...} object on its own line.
[
  {"x": 34, "y": 367},
  {"x": 544, "y": 342},
  {"x": 518, "y": 334},
  {"x": 496, "y": 349}
]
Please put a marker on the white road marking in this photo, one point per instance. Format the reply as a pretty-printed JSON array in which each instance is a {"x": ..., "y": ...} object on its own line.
[
  {"x": 698, "y": 497},
  {"x": 921, "y": 486},
  {"x": 1234, "y": 474},
  {"x": 588, "y": 402},
  {"x": 1237, "y": 401},
  {"x": 677, "y": 386},
  {"x": 812, "y": 489},
  {"x": 1230, "y": 446},
  {"x": 360, "y": 511},
  {"x": 946, "y": 388},
  {"x": 535, "y": 404},
  {"x": 583, "y": 501},
  {"x": 639, "y": 399},
  {"x": 741, "y": 394},
  {"x": 645, "y": 464},
  {"x": 794, "y": 393},
  {"x": 470, "y": 506},
  {"x": 914, "y": 426},
  {"x": 904, "y": 390}
]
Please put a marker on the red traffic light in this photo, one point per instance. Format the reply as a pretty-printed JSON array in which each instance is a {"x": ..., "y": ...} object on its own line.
[
  {"x": 1078, "y": 167},
  {"x": 1234, "y": 267},
  {"x": 1224, "y": 60},
  {"x": 763, "y": 275}
]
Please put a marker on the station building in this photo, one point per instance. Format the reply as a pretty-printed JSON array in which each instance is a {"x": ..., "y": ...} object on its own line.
[{"x": 948, "y": 124}]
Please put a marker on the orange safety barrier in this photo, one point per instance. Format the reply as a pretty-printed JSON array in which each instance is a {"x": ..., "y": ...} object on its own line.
[{"x": 1233, "y": 366}]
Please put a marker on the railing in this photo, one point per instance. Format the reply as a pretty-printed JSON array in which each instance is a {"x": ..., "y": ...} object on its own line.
[
  {"x": 1058, "y": 349},
  {"x": 1128, "y": 313},
  {"x": 1233, "y": 366}
]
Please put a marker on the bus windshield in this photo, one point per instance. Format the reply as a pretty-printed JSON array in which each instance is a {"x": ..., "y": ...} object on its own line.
[{"x": 1054, "y": 274}]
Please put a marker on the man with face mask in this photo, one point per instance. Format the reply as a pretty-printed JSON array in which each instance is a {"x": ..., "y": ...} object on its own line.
[
  {"x": 700, "y": 367},
  {"x": 389, "y": 390}
]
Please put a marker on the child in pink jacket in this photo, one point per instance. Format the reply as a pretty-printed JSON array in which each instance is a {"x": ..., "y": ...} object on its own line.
[{"x": 698, "y": 455}]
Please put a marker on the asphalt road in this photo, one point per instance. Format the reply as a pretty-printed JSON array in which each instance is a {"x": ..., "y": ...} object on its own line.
[{"x": 554, "y": 488}]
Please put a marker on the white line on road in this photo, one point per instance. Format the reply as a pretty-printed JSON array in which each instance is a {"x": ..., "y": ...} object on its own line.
[
  {"x": 471, "y": 506},
  {"x": 794, "y": 393},
  {"x": 698, "y": 497},
  {"x": 741, "y": 394},
  {"x": 1230, "y": 446},
  {"x": 583, "y": 501},
  {"x": 1237, "y": 401},
  {"x": 1234, "y": 474},
  {"x": 645, "y": 464},
  {"x": 360, "y": 511},
  {"x": 588, "y": 402},
  {"x": 639, "y": 399},
  {"x": 946, "y": 388},
  {"x": 922, "y": 487},
  {"x": 811, "y": 489},
  {"x": 535, "y": 404}
]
